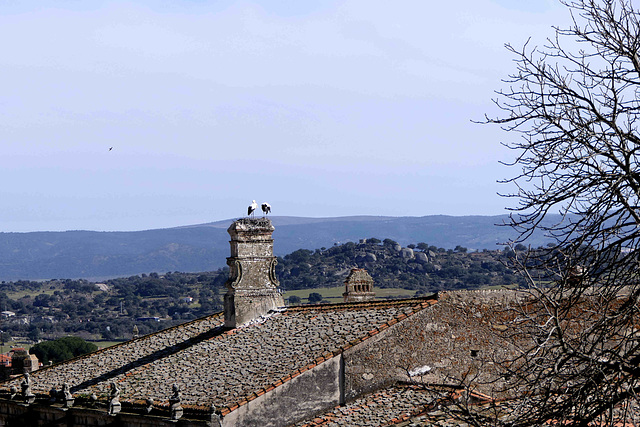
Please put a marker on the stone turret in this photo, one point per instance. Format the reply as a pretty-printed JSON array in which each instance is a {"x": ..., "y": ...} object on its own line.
[
  {"x": 358, "y": 286},
  {"x": 252, "y": 287}
]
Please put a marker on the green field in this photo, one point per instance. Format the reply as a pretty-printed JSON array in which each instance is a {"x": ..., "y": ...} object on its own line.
[
  {"x": 16, "y": 295},
  {"x": 105, "y": 344},
  {"x": 10, "y": 345},
  {"x": 334, "y": 294}
]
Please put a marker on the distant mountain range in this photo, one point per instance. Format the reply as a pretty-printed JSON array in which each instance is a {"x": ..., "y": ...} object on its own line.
[{"x": 204, "y": 247}]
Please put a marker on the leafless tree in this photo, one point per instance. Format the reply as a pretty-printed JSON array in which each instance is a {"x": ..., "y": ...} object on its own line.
[{"x": 574, "y": 104}]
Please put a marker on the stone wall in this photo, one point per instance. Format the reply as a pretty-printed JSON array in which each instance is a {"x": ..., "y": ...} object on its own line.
[
  {"x": 305, "y": 395},
  {"x": 462, "y": 334}
]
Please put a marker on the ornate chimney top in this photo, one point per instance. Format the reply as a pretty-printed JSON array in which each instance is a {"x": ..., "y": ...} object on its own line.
[
  {"x": 252, "y": 287},
  {"x": 358, "y": 286}
]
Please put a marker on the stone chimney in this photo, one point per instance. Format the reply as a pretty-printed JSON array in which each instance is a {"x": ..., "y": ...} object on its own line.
[
  {"x": 23, "y": 362},
  {"x": 252, "y": 287},
  {"x": 358, "y": 286}
]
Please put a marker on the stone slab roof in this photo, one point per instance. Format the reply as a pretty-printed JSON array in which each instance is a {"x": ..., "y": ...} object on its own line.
[
  {"x": 389, "y": 406},
  {"x": 403, "y": 404},
  {"x": 419, "y": 405},
  {"x": 226, "y": 368}
]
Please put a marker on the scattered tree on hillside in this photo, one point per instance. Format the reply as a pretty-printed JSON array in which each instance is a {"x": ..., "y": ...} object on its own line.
[
  {"x": 575, "y": 105},
  {"x": 389, "y": 242},
  {"x": 80, "y": 307},
  {"x": 34, "y": 333},
  {"x": 315, "y": 297},
  {"x": 295, "y": 300},
  {"x": 422, "y": 246}
]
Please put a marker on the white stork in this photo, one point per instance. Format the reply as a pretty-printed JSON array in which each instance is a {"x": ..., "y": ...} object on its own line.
[
  {"x": 266, "y": 208},
  {"x": 252, "y": 208}
]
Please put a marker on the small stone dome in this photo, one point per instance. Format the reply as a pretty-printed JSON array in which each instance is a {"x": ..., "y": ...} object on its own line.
[{"x": 358, "y": 286}]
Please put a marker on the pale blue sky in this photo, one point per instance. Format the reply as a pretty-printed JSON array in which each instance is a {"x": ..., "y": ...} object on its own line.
[{"x": 323, "y": 108}]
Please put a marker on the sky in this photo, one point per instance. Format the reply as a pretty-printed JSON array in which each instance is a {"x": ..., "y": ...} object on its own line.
[{"x": 324, "y": 108}]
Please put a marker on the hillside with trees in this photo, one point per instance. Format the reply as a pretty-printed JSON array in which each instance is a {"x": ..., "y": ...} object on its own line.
[
  {"x": 421, "y": 267},
  {"x": 96, "y": 255},
  {"x": 110, "y": 309}
]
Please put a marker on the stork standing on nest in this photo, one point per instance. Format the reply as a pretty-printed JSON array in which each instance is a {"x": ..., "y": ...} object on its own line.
[
  {"x": 252, "y": 208},
  {"x": 266, "y": 208}
]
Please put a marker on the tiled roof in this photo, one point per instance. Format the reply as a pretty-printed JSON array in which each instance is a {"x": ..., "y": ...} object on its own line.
[
  {"x": 418, "y": 405},
  {"x": 389, "y": 406},
  {"x": 104, "y": 364},
  {"x": 227, "y": 368},
  {"x": 403, "y": 404}
]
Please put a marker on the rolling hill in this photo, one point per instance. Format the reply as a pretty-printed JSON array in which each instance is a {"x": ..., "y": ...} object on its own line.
[{"x": 204, "y": 247}]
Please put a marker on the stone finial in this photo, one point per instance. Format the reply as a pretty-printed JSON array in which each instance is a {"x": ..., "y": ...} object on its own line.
[
  {"x": 93, "y": 400},
  {"x": 252, "y": 287},
  {"x": 174, "y": 403},
  {"x": 67, "y": 396},
  {"x": 216, "y": 416},
  {"x": 66, "y": 393},
  {"x": 150, "y": 402},
  {"x": 114, "y": 400},
  {"x": 358, "y": 286},
  {"x": 27, "y": 395},
  {"x": 13, "y": 392},
  {"x": 576, "y": 276}
]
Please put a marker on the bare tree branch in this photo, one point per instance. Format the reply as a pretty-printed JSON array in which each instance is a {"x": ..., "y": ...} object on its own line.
[{"x": 574, "y": 107}]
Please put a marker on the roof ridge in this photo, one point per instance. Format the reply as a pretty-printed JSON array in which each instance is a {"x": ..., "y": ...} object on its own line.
[{"x": 364, "y": 304}]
